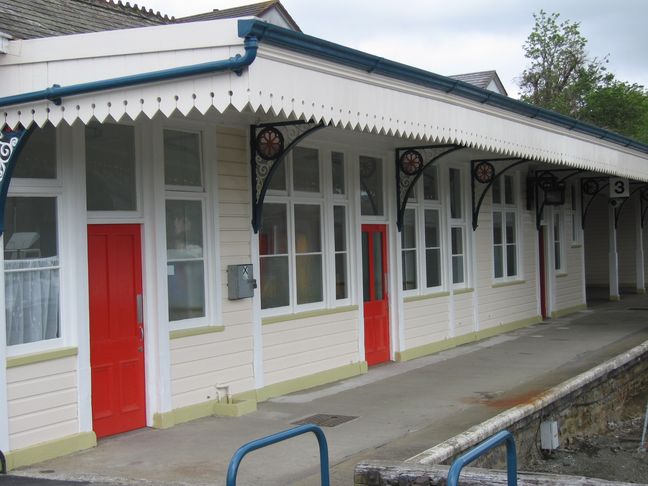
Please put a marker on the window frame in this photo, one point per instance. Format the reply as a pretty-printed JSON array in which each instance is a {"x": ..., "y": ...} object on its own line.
[
  {"x": 504, "y": 208},
  {"x": 574, "y": 210},
  {"x": 462, "y": 223},
  {"x": 558, "y": 240},
  {"x": 327, "y": 201},
  {"x": 45, "y": 188}
]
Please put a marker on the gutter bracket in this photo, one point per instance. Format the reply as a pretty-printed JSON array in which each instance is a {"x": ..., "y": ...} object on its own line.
[
  {"x": 268, "y": 150},
  {"x": 410, "y": 165},
  {"x": 483, "y": 171}
]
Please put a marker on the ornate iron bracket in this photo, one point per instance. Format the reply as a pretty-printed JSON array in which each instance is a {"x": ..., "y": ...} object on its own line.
[
  {"x": 11, "y": 143},
  {"x": 269, "y": 145},
  {"x": 592, "y": 187},
  {"x": 483, "y": 171},
  {"x": 640, "y": 187},
  {"x": 410, "y": 164},
  {"x": 545, "y": 180}
]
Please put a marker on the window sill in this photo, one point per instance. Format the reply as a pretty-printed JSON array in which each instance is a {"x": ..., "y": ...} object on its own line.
[
  {"x": 508, "y": 283},
  {"x": 33, "y": 358},
  {"x": 561, "y": 274},
  {"x": 462, "y": 291},
  {"x": 576, "y": 245},
  {"x": 434, "y": 295},
  {"x": 303, "y": 315},
  {"x": 195, "y": 331}
]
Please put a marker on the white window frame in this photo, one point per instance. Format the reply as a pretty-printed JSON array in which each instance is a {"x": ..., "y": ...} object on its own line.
[
  {"x": 503, "y": 209},
  {"x": 461, "y": 222},
  {"x": 575, "y": 214},
  {"x": 326, "y": 201},
  {"x": 209, "y": 211},
  {"x": 45, "y": 188}
]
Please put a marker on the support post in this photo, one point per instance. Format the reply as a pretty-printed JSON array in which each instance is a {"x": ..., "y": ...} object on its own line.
[
  {"x": 613, "y": 256},
  {"x": 639, "y": 249}
]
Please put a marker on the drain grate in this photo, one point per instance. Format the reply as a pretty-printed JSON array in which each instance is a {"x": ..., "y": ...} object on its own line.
[{"x": 325, "y": 420}]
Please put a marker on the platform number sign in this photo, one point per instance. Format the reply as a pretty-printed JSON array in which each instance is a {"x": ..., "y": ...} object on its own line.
[{"x": 619, "y": 187}]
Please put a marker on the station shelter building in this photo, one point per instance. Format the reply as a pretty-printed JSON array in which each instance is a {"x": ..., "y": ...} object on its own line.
[{"x": 199, "y": 216}]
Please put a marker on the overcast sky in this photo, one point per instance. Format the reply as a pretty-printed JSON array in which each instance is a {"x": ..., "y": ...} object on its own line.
[{"x": 460, "y": 36}]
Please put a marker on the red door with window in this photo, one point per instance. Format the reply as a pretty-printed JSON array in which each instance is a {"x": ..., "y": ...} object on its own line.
[
  {"x": 374, "y": 285},
  {"x": 116, "y": 328}
]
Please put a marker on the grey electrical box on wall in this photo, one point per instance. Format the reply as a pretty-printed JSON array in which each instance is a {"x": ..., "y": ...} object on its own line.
[{"x": 240, "y": 281}]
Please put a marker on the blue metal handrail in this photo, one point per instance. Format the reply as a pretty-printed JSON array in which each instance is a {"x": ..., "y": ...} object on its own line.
[
  {"x": 483, "y": 448},
  {"x": 232, "y": 469}
]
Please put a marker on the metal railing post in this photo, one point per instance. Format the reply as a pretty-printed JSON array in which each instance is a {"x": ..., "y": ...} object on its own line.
[
  {"x": 483, "y": 448},
  {"x": 242, "y": 451}
]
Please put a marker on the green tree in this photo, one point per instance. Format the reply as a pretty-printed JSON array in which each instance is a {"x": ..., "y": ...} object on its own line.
[
  {"x": 619, "y": 107},
  {"x": 563, "y": 78},
  {"x": 561, "y": 74}
]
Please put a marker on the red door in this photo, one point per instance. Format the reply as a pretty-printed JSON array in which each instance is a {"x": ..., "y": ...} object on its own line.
[
  {"x": 374, "y": 285},
  {"x": 116, "y": 330}
]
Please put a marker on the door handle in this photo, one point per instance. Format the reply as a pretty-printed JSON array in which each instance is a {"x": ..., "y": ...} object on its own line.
[{"x": 140, "y": 310}]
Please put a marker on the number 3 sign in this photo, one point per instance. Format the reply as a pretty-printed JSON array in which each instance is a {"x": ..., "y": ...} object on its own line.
[{"x": 619, "y": 187}]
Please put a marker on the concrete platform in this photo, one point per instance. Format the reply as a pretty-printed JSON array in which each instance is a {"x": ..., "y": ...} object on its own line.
[{"x": 401, "y": 409}]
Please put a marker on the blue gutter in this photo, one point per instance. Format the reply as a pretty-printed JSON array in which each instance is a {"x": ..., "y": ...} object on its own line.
[
  {"x": 316, "y": 47},
  {"x": 56, "y": 92}
]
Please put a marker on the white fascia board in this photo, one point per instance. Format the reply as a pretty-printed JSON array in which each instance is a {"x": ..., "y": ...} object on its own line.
[{"x": 141, "y": 40}]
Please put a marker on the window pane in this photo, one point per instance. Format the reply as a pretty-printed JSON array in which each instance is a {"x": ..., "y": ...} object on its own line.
[
  {"x": 433, "y": 267},
  {"x": 457, "y": 269},
  {"x": 508, "y": 190},
  {"x": 497, "y": 191},
  {"x": 341, "y": 291},
  {"x": 278, "y": 181},
  {"x": 32, "y": 303},
  {"x": 305, "y": 170},
  {"x": 273, "y": 235},
  {"x": 184, "y": 230},
  {"x": 432, "y": 236},
  {"x": 557, "y": 262},
  {"x": 457, "y": 241},
  {"x": 409, "y": 269},
  {"x": 337, "y": 168},
  {"x": 274, "y": 282},
  {"x": 510, "y": 228},
  {"x": 186, "y": 290},
  {"x": 110, "y": 168},
  {"x": 430, "y": 187},
  {"x": 339, "y": 228},
  {"x": 38, "y": 158},
  {"x": 307, "y": 228},
  {"x": 309, "y": 279},
  {"x": 455, "y": 194},
  {"x": 511, "y": 261},
  {"x": 371, "y": 186},
  {"x": 498, "y": 262},
  {"x": 182, "y": 165},
  {"x": 497, "y": 228},
  {"x": 408, "y": 233}
]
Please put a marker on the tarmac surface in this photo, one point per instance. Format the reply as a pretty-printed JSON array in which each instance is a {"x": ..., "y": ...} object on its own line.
[{"x": 399, "y": 410}]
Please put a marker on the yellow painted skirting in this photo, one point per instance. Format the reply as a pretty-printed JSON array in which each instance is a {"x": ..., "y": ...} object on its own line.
[
  {"x": 27, "y": 359},
  {"x": 641, "y": 291},
  {"x": 50, "y": 449},
  {"x": 568, "y": 310},
  {"x": 304, "y": 315},
  {"x": 470, "y": 337},
  {"x": 508, "y": 283},
  {"x": 195, "y": 331},
  {"x": 615, "y": 298},
  {"x": 246, "y": 402},
  {"x": 414, "y": 298}
]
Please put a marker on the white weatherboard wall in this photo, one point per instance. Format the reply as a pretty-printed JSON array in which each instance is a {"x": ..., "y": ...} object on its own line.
[
  {"x": 426, "y": 320},
  {"x": 569, "y": 285},
  {"x": 199, "y": 363},
  {"x": 42, "y": 402},
  {"x": 516, "y": 300},
  {"x": 303, "y": 347}
]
